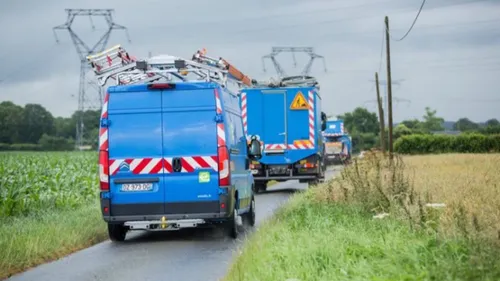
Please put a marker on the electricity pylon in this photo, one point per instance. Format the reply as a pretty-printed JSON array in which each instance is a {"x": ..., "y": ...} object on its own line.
[{"x": 85, "y": 101}]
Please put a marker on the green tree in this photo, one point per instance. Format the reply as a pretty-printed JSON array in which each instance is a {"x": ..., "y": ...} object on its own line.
[
  {"x": 361, "y": 121},
  {"x": 36, "y": 122},
  {"x": 401, "y": 130},
  {"x": 90, "y": 123},
  {"x": 464, "y": 124},
  {"x": 412, "y": 124},
  {"x": 64, "y": 127},
  {"x": 11, "y": 118},
  {"x": 431, "y": 121},
  {"x": 493, "y": 122}
]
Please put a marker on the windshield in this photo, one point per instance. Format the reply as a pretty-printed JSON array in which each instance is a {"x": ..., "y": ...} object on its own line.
[{"x": 332, "y": 139}]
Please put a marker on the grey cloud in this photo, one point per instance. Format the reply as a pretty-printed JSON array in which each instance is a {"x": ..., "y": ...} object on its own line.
[{"x": 347, "y": 33}]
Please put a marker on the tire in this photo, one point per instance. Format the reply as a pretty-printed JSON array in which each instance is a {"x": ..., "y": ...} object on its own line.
[
  {"x": 117, "y": 232},
  {"x": 250, "y": 216},
  {"x": 231, "y": 225},
  {"x": 255, "y": 188},
  {"x": 260, "y": 187},
  {"x": 312, "y": 183}
]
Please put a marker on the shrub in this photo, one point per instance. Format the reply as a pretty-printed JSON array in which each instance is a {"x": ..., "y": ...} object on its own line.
[{"x": 428, "y": 144}]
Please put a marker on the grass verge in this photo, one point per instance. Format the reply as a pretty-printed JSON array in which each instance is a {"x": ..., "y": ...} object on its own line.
[
  {"x": 331, "y": 233},
  {"x": 29, "y": 241},
  {"x": 316, "y": 241}
]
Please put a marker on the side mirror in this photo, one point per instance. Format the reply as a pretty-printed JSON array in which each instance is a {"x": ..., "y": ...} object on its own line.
[
  {"x": 323, "y": 121},
  {"x": 255, "y": 151}
]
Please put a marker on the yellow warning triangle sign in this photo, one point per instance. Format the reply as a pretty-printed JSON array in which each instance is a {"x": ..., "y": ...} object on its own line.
[{"x": 299, "y": 102}]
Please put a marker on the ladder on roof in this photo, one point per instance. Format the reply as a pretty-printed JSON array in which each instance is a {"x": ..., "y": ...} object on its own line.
[
  {"x": 113, "y": 61},
  {"x": 118, "y": 64}
]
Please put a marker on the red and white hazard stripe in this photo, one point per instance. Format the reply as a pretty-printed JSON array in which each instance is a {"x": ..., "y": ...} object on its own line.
[
  {"x": 244, "y": 112},
  {"x": 274, "y": 146},
  {"x": 103, "y": 132},
  {"x": 221, "y": 133},
  {"x": 142, "y": 166},
  {"x": 139, "y": 166},
  {"x": 312, "y": 135},
  {"x": 301, "y": 146}
]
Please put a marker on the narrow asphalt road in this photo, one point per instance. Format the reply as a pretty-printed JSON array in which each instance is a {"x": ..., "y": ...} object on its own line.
[{"x": 199, "y": 254}]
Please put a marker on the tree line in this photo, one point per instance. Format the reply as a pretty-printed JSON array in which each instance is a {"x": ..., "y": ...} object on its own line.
[
  {"x": 364, "y": 127},
  {"x": 33, "y": 127}
]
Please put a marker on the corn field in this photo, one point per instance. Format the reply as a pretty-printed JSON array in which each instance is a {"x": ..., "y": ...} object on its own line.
[{"x": 31, "y": 182}]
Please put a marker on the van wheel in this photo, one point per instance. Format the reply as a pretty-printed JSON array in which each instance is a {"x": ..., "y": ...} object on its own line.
[
  {"x": 250, "y": 216},
  {"x": 232, "y": 224},
  {"x": 117, "y": 232}
]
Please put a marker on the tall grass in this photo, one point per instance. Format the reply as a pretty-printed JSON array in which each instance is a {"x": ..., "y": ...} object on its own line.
[
  {"x": 465, "y": 187},
  {"x": 378, "y": 221}
]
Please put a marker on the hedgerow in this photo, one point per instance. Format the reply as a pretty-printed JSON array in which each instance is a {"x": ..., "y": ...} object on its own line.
[{"x": 433, "y": 144}]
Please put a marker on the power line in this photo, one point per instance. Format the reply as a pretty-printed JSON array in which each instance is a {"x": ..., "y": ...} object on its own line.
[
  {"x": 413, "y": 24},
  {"x": 231, "y": 36}
]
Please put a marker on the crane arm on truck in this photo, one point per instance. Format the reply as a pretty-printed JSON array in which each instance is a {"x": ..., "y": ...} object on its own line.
[{"x": 201, "y": 57}]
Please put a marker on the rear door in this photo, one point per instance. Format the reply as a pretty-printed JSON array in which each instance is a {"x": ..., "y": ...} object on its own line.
[
  {"x": 190, "y": 150},
  {"x": 274, "y": 119},
  {"x": 298, "y": 125},
  {"x": 135, "y": 152}
]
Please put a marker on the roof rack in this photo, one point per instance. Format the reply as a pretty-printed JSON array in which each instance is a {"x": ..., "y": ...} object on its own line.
[
  {"x": 118, "y": 64},
  {"x": 291, "y": 81}
]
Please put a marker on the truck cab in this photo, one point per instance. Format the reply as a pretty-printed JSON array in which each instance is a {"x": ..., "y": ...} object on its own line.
[
  {"x": 174, "y": 155},
  {"x": 338, "y": 143}
]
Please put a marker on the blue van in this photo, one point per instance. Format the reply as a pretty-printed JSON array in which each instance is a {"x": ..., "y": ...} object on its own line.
[{"x": 174, "y": 155}]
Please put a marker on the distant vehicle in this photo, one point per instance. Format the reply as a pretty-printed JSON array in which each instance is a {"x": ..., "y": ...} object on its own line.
[
  {"x": 288, "y": 120},
  {"x": 338, "y": 143},
  {"x": 171, "y": 155}
]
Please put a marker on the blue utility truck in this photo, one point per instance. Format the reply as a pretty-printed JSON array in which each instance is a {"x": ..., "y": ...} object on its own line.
[
  {"x": 288, "y": 120},
  {"x": 171, "y": 154},
  {"x": 338, "y": 143}
]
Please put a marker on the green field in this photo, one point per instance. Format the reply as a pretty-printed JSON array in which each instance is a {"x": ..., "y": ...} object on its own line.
[
  {"x": 34, "y": 182},
  {"x": 48, "y": 207}
]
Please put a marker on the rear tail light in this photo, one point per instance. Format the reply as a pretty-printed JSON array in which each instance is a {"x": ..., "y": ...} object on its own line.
[
  {"x": 224, "y": 171},
  {"x": 104, "y": 170},
  {"x": 309, "y": 165},
  {"x": 161, "y": 86}
]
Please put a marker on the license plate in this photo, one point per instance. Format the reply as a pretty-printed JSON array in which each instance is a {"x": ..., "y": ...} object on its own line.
[
  {"x": 137, "y": 186},
  {"x": 254, "y": 172}
]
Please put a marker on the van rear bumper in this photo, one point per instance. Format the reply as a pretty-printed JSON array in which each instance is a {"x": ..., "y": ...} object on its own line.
[
  {"x": 215, "y": 210},
  {"x": 203, "y": 216},
  {"x": 291, "y": 177}
]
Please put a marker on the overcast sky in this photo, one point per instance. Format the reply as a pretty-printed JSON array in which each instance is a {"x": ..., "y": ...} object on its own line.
[{"x": 450, "y": 61}]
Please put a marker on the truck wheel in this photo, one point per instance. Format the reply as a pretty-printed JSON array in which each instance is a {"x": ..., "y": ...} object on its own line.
[
  {"x": 250, "y": 216},
  {"x": 260, "y": 187},
  {"x": 117, "y": 232},
  {"x": 312, "y": 183}
]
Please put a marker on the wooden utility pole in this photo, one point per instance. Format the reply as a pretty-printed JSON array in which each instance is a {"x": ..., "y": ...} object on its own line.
[
  {"x": 389, "y": 85},
  {"x": 381, "y": 115}
]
